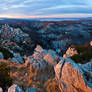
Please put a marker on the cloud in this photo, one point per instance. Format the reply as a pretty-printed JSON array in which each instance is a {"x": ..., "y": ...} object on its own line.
[{"x": 45, "y": 7}]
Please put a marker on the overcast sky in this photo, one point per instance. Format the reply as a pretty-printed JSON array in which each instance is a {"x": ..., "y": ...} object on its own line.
[{"x": 45, "y": 8}]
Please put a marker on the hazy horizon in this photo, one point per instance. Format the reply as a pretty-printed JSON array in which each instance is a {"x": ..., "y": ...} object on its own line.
[{"x": 45, "y": 8}]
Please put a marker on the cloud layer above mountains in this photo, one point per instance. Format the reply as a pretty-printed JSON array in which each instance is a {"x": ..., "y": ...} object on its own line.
[{"x": 45, "y": 7}]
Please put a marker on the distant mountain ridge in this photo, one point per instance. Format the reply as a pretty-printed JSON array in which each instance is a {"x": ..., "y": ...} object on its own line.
[{"x": 48, "y": 19}]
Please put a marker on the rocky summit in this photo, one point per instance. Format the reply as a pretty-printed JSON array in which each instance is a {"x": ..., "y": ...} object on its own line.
[{"x": 45, "y": 56}]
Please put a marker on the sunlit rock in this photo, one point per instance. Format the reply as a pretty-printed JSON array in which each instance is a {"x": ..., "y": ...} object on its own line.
[
  {"x": 70, "y": 52},
  {"x": 1, "y": 90},
  {"x": 15, "y": 88},
  {"x": 70, "y": 77}
]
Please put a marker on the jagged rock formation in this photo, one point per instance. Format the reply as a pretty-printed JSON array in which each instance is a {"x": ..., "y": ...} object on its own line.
[
  {"x": 42, "y": 57},
  {"x": 70, "y": 77},
  {"x": 17, "y": 58},
  {"x": 91, "y": 43},
  {"x": 38, "y": 67},
  {"x": 15, "y": 39},
  {"x": 1, "y": 55},
  {"x": 87, "y": 69},
  {"x": 70, "y": 52},
  {"x": 31, "y": 90},
  {"x": 15, "y": 88},
  {"x": 1, "y": 90}
]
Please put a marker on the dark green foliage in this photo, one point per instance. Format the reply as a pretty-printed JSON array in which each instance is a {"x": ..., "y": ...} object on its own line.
[
  {"x": 84, "y": 56},
  {"x": 5, "y": 80},
  {"x": 6, "y": 53}
]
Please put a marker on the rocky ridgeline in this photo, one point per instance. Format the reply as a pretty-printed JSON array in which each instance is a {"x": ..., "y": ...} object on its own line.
[
  {"x": 16, "y": 40},
  {"x": 41, "y": 57},
  {"x": 70, "y": 52},
  {"x": 60, "y": 35},
  {"x": 16, "y": 46},
  {"x": 56, "y": 36},
  {"x": 70, "y": 77}
]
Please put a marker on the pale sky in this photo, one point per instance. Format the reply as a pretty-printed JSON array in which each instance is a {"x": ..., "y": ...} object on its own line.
[{"x": 45, "y": 8}]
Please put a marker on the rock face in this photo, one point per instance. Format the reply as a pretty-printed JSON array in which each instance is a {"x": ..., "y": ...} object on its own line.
[
  {"x": 1, "y": 90},
  {"x": 71, "y": 77},
  {"x": 15, "y": 88},
  {"x": 1, "y": 55},
  {"x": 87, "y": 69},
  {"x": 17, "y": 58},
  {"x": 42, "y": 57},
  {"x": 31, "y": 90},
  {"x": 15, "y": 39},
  {"x": 51, "y": 57},
  {"x": 70, "y": 52},
  {"x": 91, "y": 43}
]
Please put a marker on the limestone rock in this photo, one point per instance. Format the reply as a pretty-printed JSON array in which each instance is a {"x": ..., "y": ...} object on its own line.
[
  {"x": 51, "y": 57},
  {"x": 39, "y": 49},
  {"x": 71, "y": 77},
  {"x": 1, "y": 55},
  {"x": 15, "y": 88},
  {"x": 17, "y": 58},
  {"x": 41, "y": 58},
  {"x": 1, "y": 90},
  {"x": 87, "y": 69},
  {"x": 31, "y": 90},
  {"x": 70, "y": 52},
  {"x": 91, "y": 43}
]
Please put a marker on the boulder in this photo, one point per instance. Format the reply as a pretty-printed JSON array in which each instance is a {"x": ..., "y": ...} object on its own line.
[
  {"x": 91, "y": 43},
  {"x": 1, "y": 90},
  {"x": 1, "y": 55},
  {"x": 17, "y": 58},
  {"x": 41, "y": 57},
  {"x": 39, "y": 49},
  {"x": 15, "y": 88},
  {"x": 51, "y": 57},
  {"x": 70, "y": 52},
  {"x": 70, "y": 77}
]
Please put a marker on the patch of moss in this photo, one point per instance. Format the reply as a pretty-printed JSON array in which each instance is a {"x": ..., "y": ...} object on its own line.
[
  {"x": 6, "y": 53},
  {"x": 84, "y": 54}
]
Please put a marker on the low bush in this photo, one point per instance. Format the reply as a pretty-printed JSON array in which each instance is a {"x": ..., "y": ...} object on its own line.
[
  {"x": 5, "y": 80},
  {"x": 84, "y": 54},
  {"x": 6, "y": 53}
]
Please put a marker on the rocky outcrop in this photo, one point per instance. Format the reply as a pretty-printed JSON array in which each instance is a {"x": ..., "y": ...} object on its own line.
[
  {"x": 31, "y": 90},
  {"x": 70, "y": 77},
  {"x": 42, "y": 57},
  {"x": 15, "y": 39},
  {"x": 51, "y": 57},
  {"x": 17, "y": 58},
  {"x": 70, "y": 52},
  {"x": 91, "y": 43},
  {"x": 1, "y": 55},
  {"x": 15, "y": 88},
  {"x": 87, "y": 69},
  {"x": 1, "y": 90}
]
